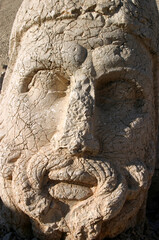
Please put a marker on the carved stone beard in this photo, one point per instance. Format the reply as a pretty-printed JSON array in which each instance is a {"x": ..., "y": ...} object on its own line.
[{"x": 61, "y": 198}]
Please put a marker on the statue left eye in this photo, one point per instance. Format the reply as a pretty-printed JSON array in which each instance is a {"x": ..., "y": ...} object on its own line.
[{"x": 46, "y": 81}]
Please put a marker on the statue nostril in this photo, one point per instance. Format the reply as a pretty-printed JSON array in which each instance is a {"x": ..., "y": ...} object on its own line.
[
  {"x": 92, "y": 147},
  {"x": 86, "y": 146}
]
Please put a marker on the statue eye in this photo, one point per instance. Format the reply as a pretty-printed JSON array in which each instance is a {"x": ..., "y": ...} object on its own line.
[
  {"x": 118, "y": 95},
  {"x": 46, "y": 81}
]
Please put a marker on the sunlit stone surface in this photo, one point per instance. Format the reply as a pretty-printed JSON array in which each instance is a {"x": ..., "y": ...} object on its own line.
[{"x": 78, "y": 117}]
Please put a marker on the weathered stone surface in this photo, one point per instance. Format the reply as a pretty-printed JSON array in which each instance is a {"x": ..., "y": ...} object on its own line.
[{"x": 79, "y": 120}]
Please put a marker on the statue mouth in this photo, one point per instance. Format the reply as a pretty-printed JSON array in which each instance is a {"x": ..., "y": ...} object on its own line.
[
  {"x": 70, "y": 191},
  {"x": 71, "y": 184}
]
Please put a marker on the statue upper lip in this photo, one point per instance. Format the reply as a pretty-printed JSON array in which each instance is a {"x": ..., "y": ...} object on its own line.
[{"x": 73, "y": 176}]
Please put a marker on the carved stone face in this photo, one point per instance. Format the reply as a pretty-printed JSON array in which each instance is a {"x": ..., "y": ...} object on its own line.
[{"x": 78, "y": 120}]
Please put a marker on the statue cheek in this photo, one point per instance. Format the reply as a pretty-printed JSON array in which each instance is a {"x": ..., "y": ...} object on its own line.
[{"x": 121, "y": 142}]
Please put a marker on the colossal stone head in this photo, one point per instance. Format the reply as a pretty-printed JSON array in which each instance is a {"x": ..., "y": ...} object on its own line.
[{"x": 78, "y": 117}]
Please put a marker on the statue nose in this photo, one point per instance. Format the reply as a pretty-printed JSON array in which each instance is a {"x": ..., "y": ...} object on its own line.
[
  {"x": 78, "y": 135},
  {"x": 86, "y": 144}
]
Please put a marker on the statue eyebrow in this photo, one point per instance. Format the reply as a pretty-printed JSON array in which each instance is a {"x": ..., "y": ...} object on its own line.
[
  {"x": 28, "y": 16},
  {"x": 123, "y": 74}
]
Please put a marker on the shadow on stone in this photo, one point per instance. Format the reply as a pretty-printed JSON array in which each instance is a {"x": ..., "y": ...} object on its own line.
[{"x": 2, "y": 75}]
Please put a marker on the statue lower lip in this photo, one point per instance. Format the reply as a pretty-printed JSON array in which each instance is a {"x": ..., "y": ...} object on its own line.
[{"x": 70, "y": 191}]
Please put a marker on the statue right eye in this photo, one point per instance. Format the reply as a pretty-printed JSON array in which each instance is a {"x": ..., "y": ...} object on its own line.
[
  {"x": 46, "y": 81},
  {"x": 117, "y": 95}
]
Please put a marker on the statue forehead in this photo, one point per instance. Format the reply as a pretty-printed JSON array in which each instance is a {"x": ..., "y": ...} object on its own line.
[{"x": 137, "y": 16}]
